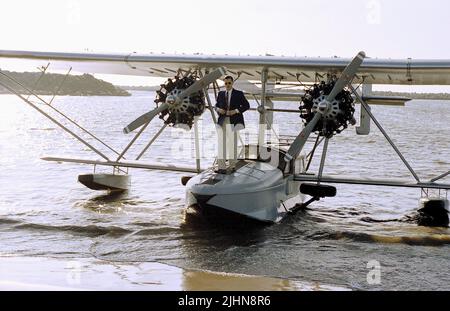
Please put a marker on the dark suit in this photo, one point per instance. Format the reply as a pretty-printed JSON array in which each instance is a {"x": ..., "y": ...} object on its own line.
[{"x": 237, "y": 101}]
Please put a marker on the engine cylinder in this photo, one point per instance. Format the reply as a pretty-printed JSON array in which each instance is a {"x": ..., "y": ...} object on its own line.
[
  {"x": 180, "y": 113},
  {"x": 336, "y": 118}
]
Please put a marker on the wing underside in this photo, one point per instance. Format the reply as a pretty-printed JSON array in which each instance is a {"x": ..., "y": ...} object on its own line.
[{"x": 285, "y": 69}]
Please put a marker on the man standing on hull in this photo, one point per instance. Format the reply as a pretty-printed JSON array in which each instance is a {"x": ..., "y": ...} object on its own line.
[{"x": 231, "y": 105}]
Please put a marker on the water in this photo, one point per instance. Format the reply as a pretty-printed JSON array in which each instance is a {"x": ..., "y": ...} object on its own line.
[{"x": 45, "y": 212}]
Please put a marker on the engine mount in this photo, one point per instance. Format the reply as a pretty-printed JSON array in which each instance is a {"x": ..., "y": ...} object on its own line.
[
  {"x": 336, "y": 118},
  {"x": 180, "y": 114}
]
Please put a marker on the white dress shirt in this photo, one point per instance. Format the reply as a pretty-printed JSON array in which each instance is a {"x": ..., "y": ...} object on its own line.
[{"x": 230, "y": 93}]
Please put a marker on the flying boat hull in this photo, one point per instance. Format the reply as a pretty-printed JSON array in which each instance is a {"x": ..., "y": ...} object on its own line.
[{"x": 256, "y": 190}]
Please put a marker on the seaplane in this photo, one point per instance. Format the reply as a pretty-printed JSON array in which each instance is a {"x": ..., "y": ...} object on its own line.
[{"x": 269, "y": 181}]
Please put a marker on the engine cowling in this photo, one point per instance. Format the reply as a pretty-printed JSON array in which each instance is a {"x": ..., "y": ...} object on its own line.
[
  {"x": 336, "y": 118},
  {"x": 182, "y": 113}
]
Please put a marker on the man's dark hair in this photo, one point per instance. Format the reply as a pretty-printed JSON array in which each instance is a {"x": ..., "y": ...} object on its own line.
[{"x": 229, "y": 78}]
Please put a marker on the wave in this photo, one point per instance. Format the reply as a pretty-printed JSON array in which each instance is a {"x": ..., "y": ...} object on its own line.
[
  {"x": 428, "y": 240},
  {"x": 92, "y": 230},
  {"x": 8, "y": 221},
  {"x": 89, "y": 230}
]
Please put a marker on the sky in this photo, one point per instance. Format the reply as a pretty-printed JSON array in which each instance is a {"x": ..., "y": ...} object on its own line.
[{"x": 382, "y": 28}]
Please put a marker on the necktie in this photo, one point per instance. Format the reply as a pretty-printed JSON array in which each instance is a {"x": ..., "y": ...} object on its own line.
[{"x": 227, "y": 100}]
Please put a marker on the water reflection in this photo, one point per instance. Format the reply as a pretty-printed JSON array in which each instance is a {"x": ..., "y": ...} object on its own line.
[
  {"x": 221, "y": 233},
  {"x": 110, "y": 202}
]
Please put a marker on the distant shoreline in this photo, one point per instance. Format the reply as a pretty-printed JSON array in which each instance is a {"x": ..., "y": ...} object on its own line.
[
  {"x": 140, "y": 88},
  {"x": 428, "y": 96},
  {"x": 412, "y": 95},
  {"x": 59, "y": 84},
  {"x": 88, "y": 85}
]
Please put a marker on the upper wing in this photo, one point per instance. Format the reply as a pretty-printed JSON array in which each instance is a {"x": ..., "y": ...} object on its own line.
[{"x": 372, "y": 71}]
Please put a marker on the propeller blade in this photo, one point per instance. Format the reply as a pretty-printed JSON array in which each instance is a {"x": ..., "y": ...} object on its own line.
[
  {"x": 347, "y": 76},
  {"x": 146, "y": 117},
  {"x": 301, "y": 139},
  {"x": 197, "y": 86},
  {"x": 202, "y": 83}
]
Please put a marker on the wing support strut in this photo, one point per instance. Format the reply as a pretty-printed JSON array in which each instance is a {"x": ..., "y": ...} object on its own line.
[
  {"x": 50, "y": 117},
  {"x": 371, "y": 182},
  {"x": 369, "y": 112},
  {"x": 262, "y": 112}
]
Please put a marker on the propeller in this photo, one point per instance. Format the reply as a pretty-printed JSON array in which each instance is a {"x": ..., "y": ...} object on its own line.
[
  {"x": 201, "y": 84},
  {"x": 146, "y": 117},
  {"x": 345, "y": 79},
  {"x": 197, "y": 86}
]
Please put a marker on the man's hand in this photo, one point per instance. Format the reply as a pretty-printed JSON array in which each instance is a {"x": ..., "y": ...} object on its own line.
[
  {"x": 232, "y": 112},
  {"x": 221, "y": 111}
]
